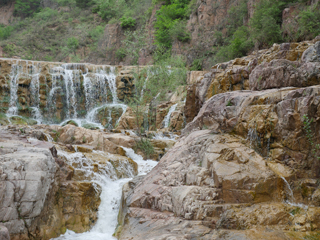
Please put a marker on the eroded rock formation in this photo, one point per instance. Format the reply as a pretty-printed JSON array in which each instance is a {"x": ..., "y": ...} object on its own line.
[{"x": 246, "y": 166}]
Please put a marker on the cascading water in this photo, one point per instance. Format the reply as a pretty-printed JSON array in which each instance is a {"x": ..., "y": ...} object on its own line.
[
  {"x": 19, "y": 71},
  {"x": 95, "y": 86},
  {"x": 166, "y": 120},
  {"x": 289, "y": 195},
  {"x": 58, "y": 93},
  {"x": 14, "y": 81},
  {"x": 110, "y": 193}
]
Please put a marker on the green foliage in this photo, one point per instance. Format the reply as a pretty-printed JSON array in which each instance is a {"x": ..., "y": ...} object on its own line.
[
  {"x": 168, "y": 23},
  {"x": 5, "y": 32},
  {"x": 236, "y": 17},
  {"x": 308, "y": 22},
  {"x": 67, "y": 3},
  {"x": 164, "y": 76},
  {"x": 10, "y": 49},
  {"x": 84, "y": 3},
  {"x": 134, "y": 41},
  {"x": 96, "y": 33},
  {"x": 229, "y": 103},
  {"x": 263, "y": 30},
  {"x": 72, "y": 43},
  {"x": 178, "y": 31},
  {"x": 121, "y": 53},
  {"x": 238, "y": 46},
  {"x": 265, "y": 23},
  {"x": 127, "y": 22},
  {"x": 46, "y": 14},
  {"x": 145, "y": 146},
  {"x": 310, "y": 136},
  {"x": 196, "y": 65},
  {"x": 108, "y": 9},
  {"x": 25, "y": 8}
]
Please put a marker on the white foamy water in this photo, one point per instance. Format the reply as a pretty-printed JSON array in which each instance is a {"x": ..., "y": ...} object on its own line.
[
  {"x": 290, "y": 198},
  {"x": 166, "y": 120},
  {"x": 111, "y": 189},
  {"x": 161, "y": 136}
]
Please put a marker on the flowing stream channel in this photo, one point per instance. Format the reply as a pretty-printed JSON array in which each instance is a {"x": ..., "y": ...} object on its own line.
[{"x": 110, "y": 196}]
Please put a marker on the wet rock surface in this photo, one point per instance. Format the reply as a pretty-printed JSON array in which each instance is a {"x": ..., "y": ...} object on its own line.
[{"x": 42, "y": 192}]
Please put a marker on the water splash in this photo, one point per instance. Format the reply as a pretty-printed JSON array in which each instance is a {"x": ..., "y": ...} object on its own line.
[
  {"x": 290, "y": 198},
  {"x": 162, "y": 136},
  {"x": 111, "y": 190},
  {"x": 166, "y": 120}
]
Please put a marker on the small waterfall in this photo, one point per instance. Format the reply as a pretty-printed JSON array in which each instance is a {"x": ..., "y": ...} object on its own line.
[
  {"x": 290, "y": 198},
  {"x": 166, "y": 120},
  {"x": 35, "y": 93},
  {"x": 14, "y": 82},
  {"x": 111, "y": 190},
  {"x": 36, "y": 114},
  {"x": 111, "y": 78},
  {"x": 68, "y": 78}
]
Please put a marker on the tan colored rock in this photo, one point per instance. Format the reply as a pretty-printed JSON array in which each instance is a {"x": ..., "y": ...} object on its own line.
[
  {"x": 284, "y": 73},
  {"x": 195, "y": 76}
]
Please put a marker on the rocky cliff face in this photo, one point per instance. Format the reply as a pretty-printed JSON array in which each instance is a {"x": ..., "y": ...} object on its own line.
[
  {"x": 280, "y": 66},
  {"x": 246, "y": 167}
]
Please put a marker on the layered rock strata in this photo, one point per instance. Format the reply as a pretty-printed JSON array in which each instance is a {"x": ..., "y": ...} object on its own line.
[
  {"x": 247, "y": 165},
  {"x": 282, "y": 61}
]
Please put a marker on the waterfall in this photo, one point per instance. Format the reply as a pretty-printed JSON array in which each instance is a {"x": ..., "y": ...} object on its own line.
[
  {"x": 35, "y": 93},
  {"x": 166, "y": 120},
  {"x": 57, "y": 93},
  {"x": 290, "y": 198},
  {"x": 14, "y": 82},
  {"x": 111, "y": 190},
  {"x": 72, "y": 83}
]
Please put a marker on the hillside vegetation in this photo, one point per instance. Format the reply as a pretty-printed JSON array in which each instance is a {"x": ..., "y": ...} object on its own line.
[{"x": 76, "y": 30}]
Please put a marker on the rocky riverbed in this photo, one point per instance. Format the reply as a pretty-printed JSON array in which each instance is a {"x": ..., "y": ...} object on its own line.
[{"x": 244, "y": 165}]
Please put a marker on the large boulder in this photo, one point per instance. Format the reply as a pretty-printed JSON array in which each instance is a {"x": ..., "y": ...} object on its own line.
[
  {"x": 284, "y": 73},
  {"x": 196, "y": 180},
  {"x": 27, "y": 174},
  {"x": 312, "y": 54}
]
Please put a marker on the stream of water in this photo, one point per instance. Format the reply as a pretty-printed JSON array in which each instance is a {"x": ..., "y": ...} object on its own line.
[{"x": 110, "y": 196}]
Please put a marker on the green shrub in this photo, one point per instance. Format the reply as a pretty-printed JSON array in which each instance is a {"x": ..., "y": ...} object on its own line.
[
  {"x": 196, "y": 65},
  {"x": 5, "y": 32},
  {"x": 238, "y": 46},
  {"x": 25, "y": 8},
  {"x": 46, "y": 14},
  {"x": 72, "y": 44},
  {"x": 108, "y": 9},
  {"x": 168, "y": 17},
  {"x": 266, "y": 22},
  {"x": 308, "y": 22},
  {"x": 127, "y": 22},
  {"x": 145, "y": 146},
  {"x": 121, "y": 53},
  {"x": 178, "y": 31},
  {"x": 64, "y": 3},
  {"x": 166, "y": 74},
  {"x": 96, "y": 33},
  {"x": 84, "y": 3}
]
